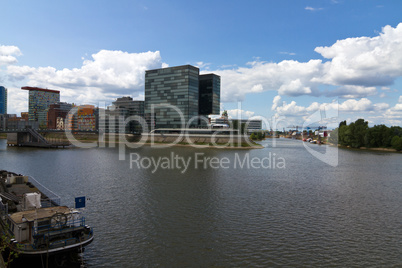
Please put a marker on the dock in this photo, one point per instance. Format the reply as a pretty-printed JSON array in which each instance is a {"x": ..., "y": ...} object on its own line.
[{"x": 30, "y": 137}]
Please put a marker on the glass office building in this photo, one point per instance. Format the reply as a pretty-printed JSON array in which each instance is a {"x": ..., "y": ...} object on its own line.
[
  {"x": 3, "y": 100},
  {"x": 176, "y": 86},
  {"x": 209, "y": 94}
]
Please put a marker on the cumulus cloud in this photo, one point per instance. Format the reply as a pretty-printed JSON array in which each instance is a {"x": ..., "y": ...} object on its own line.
[
  {"x": 364, "y": 61},
  {"x": 292, "y": 109},
  {"x": 291, "y": 77},
  {"x": 107, "y": 75},
  {"x": 351, "y": 92},
  {"x": 355, "y": 67},
  {"x": 239, "y": 113},
  {"x": 17, "y": 101},
  {"x": 398, "y": 106},
  {"x": 393, "y": 115},
  {"x": 8, "y": 53}
]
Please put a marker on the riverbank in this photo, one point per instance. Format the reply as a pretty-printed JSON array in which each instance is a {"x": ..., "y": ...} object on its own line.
[
  {"x": 163, "y": 141},
  {"x": 390, "y": 150}
]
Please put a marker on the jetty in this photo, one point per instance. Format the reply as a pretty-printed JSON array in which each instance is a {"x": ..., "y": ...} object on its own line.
[{"x": 30, "y": 137}]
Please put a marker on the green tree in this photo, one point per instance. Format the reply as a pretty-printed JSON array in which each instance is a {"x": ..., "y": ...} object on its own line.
[
  {"x": 355, "y": 133},
  {"x": 397, "y": 143},
  {"x": 377, "y": 136},
  {"x": 343, "y": 123},
  {"x": 5, "y": 247}
]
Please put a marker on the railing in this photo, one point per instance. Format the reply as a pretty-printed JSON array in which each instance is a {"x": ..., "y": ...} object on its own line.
[
  {"x": 37, "y": 135},
  {"x": 54, "y": 198},
  {"x": 48, "y": 229}
]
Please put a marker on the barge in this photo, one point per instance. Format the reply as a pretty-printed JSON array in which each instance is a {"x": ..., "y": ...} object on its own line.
[{"x": 34, "y": 220}]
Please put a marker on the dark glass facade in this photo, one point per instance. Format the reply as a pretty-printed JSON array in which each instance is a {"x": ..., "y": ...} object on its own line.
[
  {"x": 3, "y": 100},
  {"x": 209, "y": 94},
  {"x": 176, "y": 86}
]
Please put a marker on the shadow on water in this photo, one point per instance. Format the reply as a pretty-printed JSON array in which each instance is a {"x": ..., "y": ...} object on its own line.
[{"x": 67, "y": 260}]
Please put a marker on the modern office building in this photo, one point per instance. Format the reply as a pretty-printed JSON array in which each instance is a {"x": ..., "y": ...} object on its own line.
[
  {"x": 56, "y": 115},
  {"x": 209, "y": 94},
  {"x": 39, "y": 101},
  {"x": 173, "y": 97},
  {"x": 123, "y": 108},
  {"x": 3, "y": 100}
]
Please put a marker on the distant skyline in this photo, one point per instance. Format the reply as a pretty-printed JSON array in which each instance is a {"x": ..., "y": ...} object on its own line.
[{"x": 275, "y": 58}]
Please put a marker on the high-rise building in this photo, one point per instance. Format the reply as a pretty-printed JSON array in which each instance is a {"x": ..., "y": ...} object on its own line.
[
  {"x": 179, "y": 87},
  {"x": 3, "y": 100},
  {"x": 209, "y": 94},
  {"x": 39, "y": 101}
]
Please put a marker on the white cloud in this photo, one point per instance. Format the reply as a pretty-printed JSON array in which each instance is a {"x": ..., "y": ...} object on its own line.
[
  {"x": 294, "y": 88},
  {"x": 17, "y": 101},
  {"x": 109, "y": 74},
  {"x": 398, "y": 106},
  {"x": 287, "y": 53},
  {"x": 351, "y": 92},
  {"x": 291, "y": 77},
  {"x": 6, "y": 54},
  {"x": 239, "y": 113},
  {"x": 276, "y": 102},
  {"x": 313, "y": 8},
  {"x": 352, "y": 105},
  {"x": 364, "y": 61},
  {"x": 202, "y": 65},
  {"x": 355, "y": 67}
]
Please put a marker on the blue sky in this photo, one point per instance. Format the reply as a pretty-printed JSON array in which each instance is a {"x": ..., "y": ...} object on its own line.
[{"x": 276, "y": 58}]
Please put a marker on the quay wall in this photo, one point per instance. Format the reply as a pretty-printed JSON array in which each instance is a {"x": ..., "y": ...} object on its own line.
[{"x": 197, "y": 139}]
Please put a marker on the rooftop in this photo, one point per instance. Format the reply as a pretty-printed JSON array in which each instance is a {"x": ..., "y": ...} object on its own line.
[
  {"x": 40, "y": 89},
  {"x": 40, "y": 213}
]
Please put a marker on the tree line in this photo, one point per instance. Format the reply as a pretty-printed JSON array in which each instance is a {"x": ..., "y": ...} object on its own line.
[{"x": 359, "y": 134}]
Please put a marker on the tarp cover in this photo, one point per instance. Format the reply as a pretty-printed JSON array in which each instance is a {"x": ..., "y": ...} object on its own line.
[{"x": 32, "y": 200}]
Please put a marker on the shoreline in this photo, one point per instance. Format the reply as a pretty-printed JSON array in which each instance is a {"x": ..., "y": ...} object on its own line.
[
  {"x": 389, "y": 150},
  {"x": 198, "y": 146},
  {"x": 166, "y": 144}
]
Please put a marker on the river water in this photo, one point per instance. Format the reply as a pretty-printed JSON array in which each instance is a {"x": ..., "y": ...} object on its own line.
[{"x": 277, "y": 206}]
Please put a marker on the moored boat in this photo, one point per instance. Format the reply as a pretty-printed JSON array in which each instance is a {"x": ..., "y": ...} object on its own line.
[{"x": 35, "y": 221}]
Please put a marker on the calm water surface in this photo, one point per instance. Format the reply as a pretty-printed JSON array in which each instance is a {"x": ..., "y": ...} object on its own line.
[{"x": 306, "y": 214}]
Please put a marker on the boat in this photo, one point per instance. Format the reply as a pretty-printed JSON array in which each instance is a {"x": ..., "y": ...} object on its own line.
[{"x": 35, "y": 222}]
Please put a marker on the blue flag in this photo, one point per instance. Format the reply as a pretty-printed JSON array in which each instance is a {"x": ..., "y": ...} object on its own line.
[{"x": 80, "y": 202}]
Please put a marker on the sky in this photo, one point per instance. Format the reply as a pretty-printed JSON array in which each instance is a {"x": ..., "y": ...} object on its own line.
[{"x": 284, "y": 60}]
